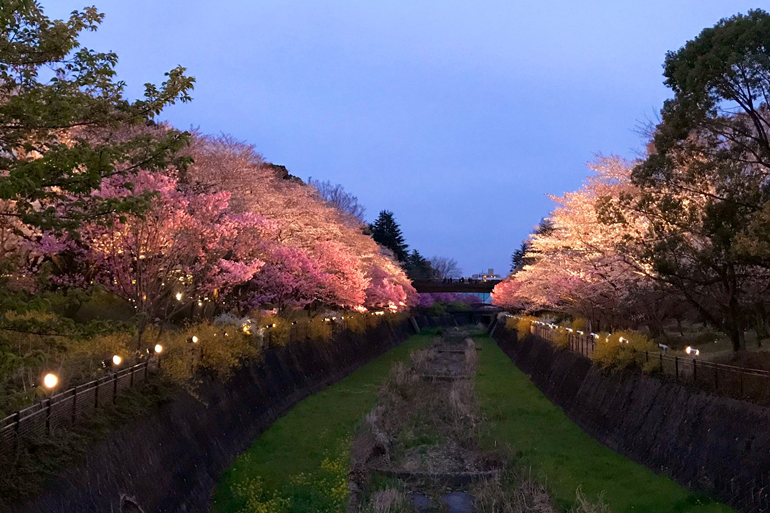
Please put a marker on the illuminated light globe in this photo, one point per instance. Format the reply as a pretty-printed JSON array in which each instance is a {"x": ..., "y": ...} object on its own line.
[
  {"x": 195, "y": 339},
  {"x": 158, "y": 348},
  {"x": 50, "y": 380},
  {"x": 178, "y": 296},
  {"x": 117, "y": 360}
]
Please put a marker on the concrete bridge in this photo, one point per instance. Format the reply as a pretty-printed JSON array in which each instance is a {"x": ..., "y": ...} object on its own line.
[{"x": 467, "y": 285}]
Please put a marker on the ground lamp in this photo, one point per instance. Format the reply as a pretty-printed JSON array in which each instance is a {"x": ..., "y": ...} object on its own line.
[{"x": 50, "y": 381}]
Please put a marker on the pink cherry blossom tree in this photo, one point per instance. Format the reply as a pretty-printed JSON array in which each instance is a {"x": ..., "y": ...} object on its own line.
[{"x": 184, "y": 249}]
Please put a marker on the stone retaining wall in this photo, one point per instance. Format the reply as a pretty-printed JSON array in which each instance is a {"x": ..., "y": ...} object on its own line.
[
  {"x": 708, "y": 443},
  {"x": 171, "y": 461}
]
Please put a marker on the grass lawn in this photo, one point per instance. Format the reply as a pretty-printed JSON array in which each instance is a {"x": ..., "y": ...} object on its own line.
[
  {"x": 560, "y": 453},
  {"x": 300, "y": 463}
]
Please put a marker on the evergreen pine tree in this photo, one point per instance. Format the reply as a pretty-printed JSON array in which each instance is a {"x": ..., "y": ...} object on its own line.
[
  {"x": 418, "y": 268},
  {"x": 387, "y": 233}
]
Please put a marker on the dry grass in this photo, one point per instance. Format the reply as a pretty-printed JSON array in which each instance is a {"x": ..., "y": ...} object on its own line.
[
  {"x": 423, "y": 360},
  {"x": 387, "y": 501},
  {"x": 471, "y": 356},
  {"x": 586, "y": 506},
  {"x": 435, "y": 427},
  {"x": 521, "y": 493}
]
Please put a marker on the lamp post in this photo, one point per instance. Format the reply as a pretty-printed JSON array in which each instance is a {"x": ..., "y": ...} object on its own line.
[{"x": 50, "y": 382}]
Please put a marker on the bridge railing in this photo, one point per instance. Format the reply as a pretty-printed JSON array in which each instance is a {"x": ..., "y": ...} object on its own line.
[{"x": 467, "y": 285}]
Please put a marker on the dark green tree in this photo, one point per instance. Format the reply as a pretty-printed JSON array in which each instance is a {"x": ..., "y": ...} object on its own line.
[
  {"x": 704, "y": 182},
  {"x": 387, "y": 233},
  {"x": 519, "y": 258},
  {"x": 418, "y": 268},
  {"x": 65, "y": 123}
]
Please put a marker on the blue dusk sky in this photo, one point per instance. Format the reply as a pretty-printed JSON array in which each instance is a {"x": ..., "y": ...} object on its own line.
[{"x": 460, "y": 117}]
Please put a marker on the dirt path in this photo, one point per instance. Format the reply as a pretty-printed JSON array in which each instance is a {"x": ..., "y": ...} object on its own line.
[
  {"x": 419, "y": 446},
  {"x": 425, "y": 448}
]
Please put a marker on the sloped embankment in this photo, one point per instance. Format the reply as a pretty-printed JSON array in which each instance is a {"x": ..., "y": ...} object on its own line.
[
  {"x": 710, "y": 444},
  {"x": 171, "y": 460}
]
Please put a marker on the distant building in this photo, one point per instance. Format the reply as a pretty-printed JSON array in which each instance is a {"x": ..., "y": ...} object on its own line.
[{"x": 488, "y": 276}]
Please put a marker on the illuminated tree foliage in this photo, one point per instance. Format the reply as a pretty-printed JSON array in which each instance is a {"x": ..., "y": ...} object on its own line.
[
  {"x": 684, "y": 231},
  {"x": 59, "y": 107}
]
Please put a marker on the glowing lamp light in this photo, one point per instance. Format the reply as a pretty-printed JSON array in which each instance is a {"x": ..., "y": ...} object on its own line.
[
  {"x": 178, "y": 296},
  {"x": 579, "y": 332},
  {"x": 623, "y": 340},
  {"x": 195, "y": 339},
  {"x": 50, "y": 380},
  {"x": 692, "y": 351},
  {"x": 200, "y": 303},
  {"x": 158, "y": 348},
  {"x": 595, "y": 335},
  {"x": 117, "y": 360}
]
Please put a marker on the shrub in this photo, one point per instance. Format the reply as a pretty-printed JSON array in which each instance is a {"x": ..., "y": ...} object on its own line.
[
  {"x": 396, "y": 318},
  {"x": 356, "y": 322},
  {"x": 438, "y": 309},
  {"x": 219, "y": 351},
  {"x": 560, "y": 338},
  {"x": 707, "y": 337},
  {"x": 511, "y": 323},
  {"x": 276, "y": 330},
  {"x": 372, "y": 320},
  {"x": 524, "y": 325},
  {"x": 611, "y": 353},
  {"x": 579, "y": 324},
  {"x": 319, "y": 329}
]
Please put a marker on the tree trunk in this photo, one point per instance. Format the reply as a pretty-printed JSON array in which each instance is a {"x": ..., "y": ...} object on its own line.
[
  {"x": 679, "y": 326},
  {"x": 761, "y": 324}
]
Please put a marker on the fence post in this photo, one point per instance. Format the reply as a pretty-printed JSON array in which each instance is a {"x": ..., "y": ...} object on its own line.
[
  {"x": 96, "y": 395},
  {"x": 115, "y": 388},
  {"x": 646, "y": 356},
  {"x": 17, "y": 428},
  {"x": 74, "y": 405},
  {"x": 131, "y": 381},
  {"x": 48, "y": 417},
  {"x": 716, "y": 376},
  {"x": 146, "y": 365},
  {"x": 694, "y": 371},
  {"x": 741, "y": 375},
  {"x": 676, "y": 366},
  {"x": 661, "y": 362}
]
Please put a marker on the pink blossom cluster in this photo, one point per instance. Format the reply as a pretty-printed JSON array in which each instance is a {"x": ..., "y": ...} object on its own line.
[
  {"x": 579, "y": 267},
  {"x": 231, "y": 231}
]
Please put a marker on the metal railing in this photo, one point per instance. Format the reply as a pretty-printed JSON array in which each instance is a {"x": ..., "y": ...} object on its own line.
[
  {"x": 730, "y": 380},
  {"x": 67, "y": 407}
]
